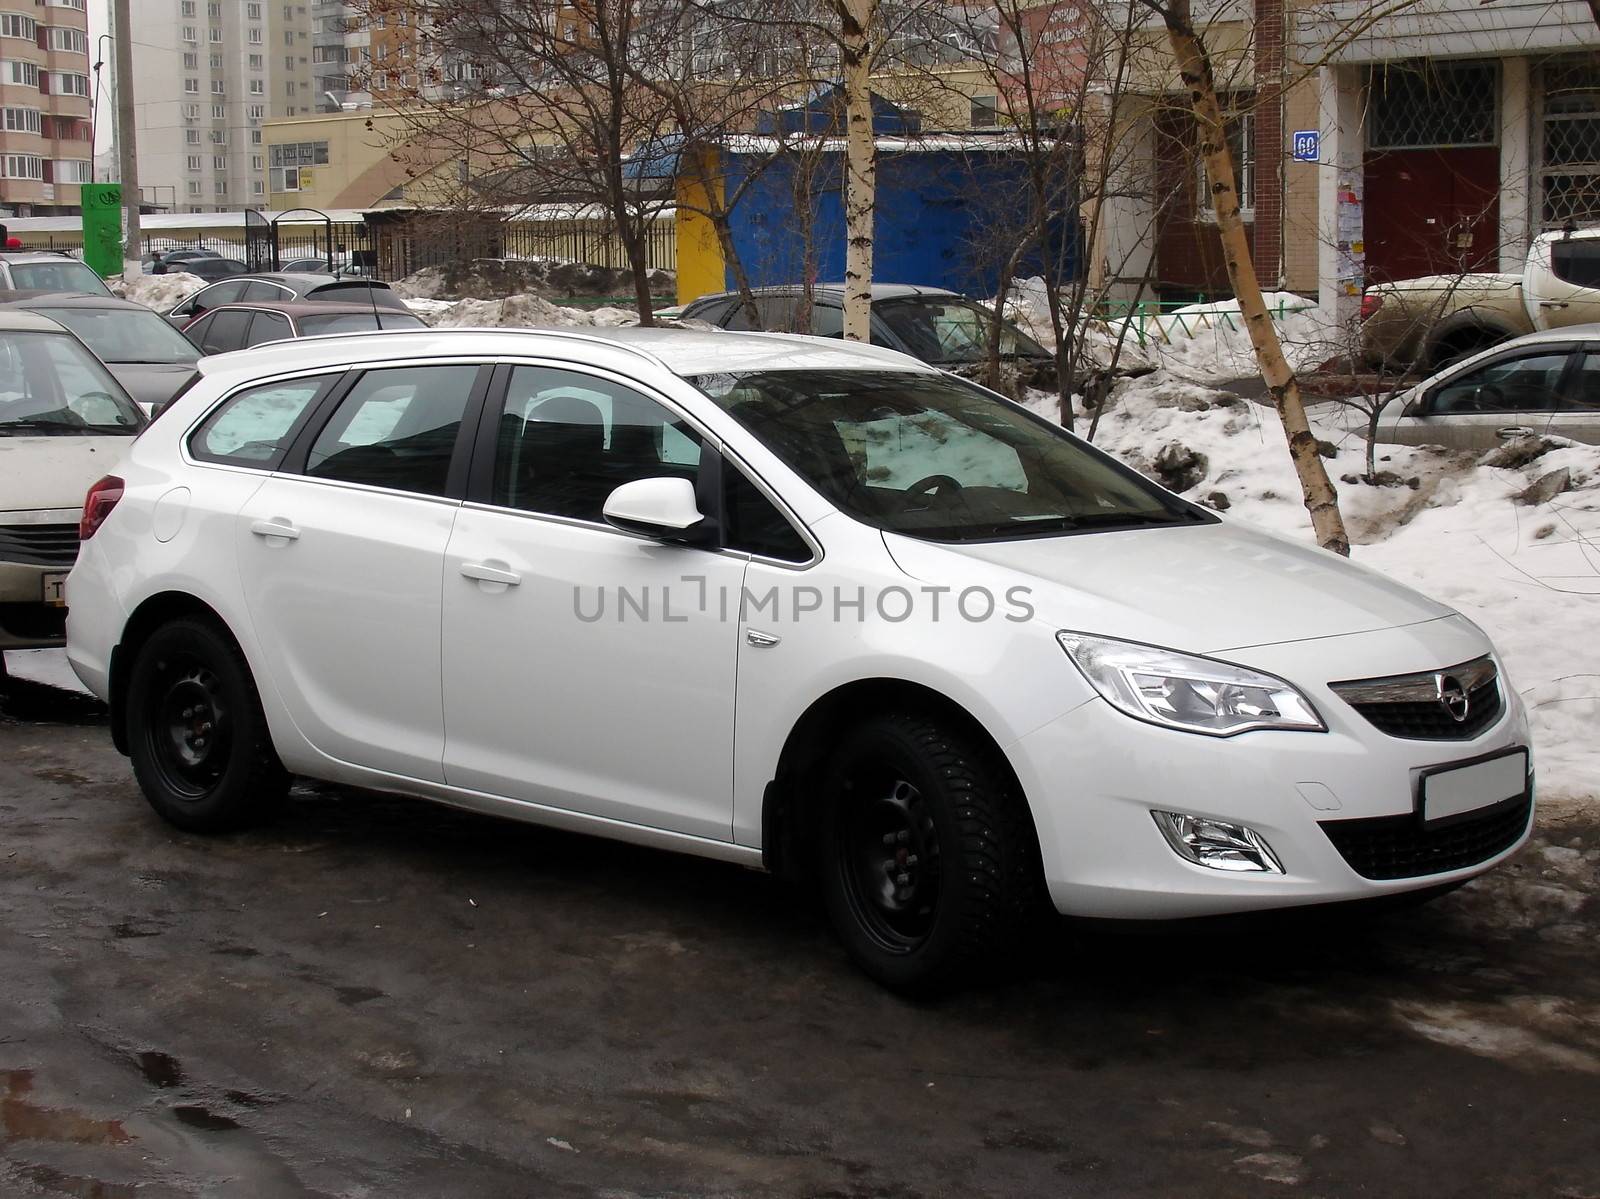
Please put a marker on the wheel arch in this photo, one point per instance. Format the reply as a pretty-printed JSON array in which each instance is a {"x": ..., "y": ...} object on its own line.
[
  {"x": 1465, "y": 332},
  {"x": 788, "y": 825},
  {"x": 153, "y": 612}
]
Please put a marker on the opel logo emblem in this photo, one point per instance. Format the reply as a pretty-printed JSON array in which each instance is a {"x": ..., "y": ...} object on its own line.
[{"x": 1453, "y": 696}]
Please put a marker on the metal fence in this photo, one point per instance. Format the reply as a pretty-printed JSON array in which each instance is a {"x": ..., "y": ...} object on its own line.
[{"x": 402, "y": 246}]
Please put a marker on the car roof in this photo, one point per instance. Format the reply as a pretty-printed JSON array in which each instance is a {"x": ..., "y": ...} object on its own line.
[
  {"x": 36, "y": 256},
  {"x": 299, "y": 280},
  {"x": 66, "y": 299},
  {"x": 303, "y": 307},
  {"x": 20, "y": 320},
  {"x": 681, "y": 352},
  {"x": 1588, "y": 332},
  {"x": 835, "y": 291}
]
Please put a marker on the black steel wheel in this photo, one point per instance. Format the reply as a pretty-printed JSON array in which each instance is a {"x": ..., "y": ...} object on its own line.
[
  {"x": 197, "y": 737},
  {"x": 929, "y": 860}
]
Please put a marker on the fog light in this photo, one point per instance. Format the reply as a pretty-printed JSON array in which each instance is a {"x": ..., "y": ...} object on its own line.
[{"x": 1217, "y": 844}]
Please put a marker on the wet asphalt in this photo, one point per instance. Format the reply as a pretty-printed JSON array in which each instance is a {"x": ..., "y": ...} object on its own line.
[{"x": 374, "y": 997}]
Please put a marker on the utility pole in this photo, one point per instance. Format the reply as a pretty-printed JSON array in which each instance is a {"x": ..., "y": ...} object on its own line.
[{"x": 127, "y": 147}]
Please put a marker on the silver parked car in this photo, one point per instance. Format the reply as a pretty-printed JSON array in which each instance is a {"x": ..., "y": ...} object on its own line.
[{"x": 1542, "y": 383}]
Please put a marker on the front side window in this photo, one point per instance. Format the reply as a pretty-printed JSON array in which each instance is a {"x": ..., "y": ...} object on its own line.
[
  {"x": 1526, "y": 384},
  {"x": 221, "y": 331},
  {"x": 125, "y": 335},
  {"x": 50, "y": 386},
  {"x": 931, "y": 456},
  {"x": 397, "y": 429},
  {"x": 66, "y": 275},
  {"x": 567, "y": 441},
  {"x": 754, "y": 524},
  {"x": 947, "y": 330},
  {"x": 269, "y": 326},
  {"x": 253, "y": 427}
]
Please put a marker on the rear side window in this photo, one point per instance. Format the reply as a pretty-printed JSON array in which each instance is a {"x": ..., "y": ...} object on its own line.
[
  {"x": 215, "y": 295},
  {"x": 397, "y": 429},
  {"x": 260, "y": 289},
  {"x": 254, "y": 427},
  {"x": 1576, "y": 261}
]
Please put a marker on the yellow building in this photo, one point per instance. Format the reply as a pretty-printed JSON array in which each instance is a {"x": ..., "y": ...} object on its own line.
[{"x": 353, "y": 159}]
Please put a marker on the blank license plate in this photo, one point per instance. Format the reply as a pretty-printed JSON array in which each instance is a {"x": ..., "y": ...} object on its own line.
[
  {"x": 55, "y": 589},
  {"x": 1468, "y": 788}
]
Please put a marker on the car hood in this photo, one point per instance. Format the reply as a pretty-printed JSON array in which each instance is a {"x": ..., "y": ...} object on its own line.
[
  {"x": 1203, "y": 588},
  {"x": 152, "y": 383},
  {"x": 54, "y": 472}
]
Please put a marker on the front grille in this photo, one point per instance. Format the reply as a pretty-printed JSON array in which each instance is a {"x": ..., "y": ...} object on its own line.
[
  {"x": 1386, "y": 847},
  {"x": 1413, "y": 705},
  {"x": 39, "y": 545}
]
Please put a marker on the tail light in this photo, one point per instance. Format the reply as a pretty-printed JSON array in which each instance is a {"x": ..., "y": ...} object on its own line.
[
  {"x": 1370, "y": 303},
  {"x": 97, "y": 505}
]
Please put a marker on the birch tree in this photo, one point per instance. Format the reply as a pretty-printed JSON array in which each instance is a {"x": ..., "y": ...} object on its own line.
[
  {"x": 1199, "y": 82},
  {"x": 857, "y": 20}
]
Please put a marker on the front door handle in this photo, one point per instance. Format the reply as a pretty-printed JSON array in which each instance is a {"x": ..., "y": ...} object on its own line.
[
  {"x": 1511, "y": 431},
  {"x": 275, "y": 528},
  {"x": 1553, "y": 303},
  {"x": 484, "y": 573}
]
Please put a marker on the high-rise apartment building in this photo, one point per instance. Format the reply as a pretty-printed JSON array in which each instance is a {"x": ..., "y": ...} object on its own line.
[
  {"x": 207, "y": 73},
  {"x": 46, "y": 144}
]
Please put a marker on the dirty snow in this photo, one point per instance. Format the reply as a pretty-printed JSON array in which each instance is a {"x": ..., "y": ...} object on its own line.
[{"x": 160, "y": 292}]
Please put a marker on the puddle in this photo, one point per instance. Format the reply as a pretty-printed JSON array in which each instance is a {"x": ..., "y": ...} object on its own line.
[
  {"x": 203, "y": 1118},
  {"x": 21, "y": 1119},
  {"x": 126, "y": 931},
  {"x": 159, "y": 1069},
  {"x": 236, "y": 951},
  {"x": 351, "y": 996}
]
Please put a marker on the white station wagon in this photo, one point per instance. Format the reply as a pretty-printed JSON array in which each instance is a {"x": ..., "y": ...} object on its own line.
[{"x": 792, "y": 603}]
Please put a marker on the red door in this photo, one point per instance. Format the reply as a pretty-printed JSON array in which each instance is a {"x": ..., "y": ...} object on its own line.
[{"x": 1432, "y": 212}]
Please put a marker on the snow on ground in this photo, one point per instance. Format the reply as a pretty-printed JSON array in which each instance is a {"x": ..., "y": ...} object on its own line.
[
  {"x": 160, "y": 292},
  {"x": 1446, "y": 523},
  {"x": 526, "y": 311}
]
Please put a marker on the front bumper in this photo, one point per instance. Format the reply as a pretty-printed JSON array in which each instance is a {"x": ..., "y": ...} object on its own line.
[{"x": 1094, "y": 775}]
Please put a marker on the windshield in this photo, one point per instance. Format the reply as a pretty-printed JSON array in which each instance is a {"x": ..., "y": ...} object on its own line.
[
  {"x": 51, "y": 386},
  {"x": 68, "y": 274},
  {"x": 932, "y": 456},
  {"x": 947, "y": 329},
  {"x": 126, "y": 335},
  {"x": 355, "y": 322}
]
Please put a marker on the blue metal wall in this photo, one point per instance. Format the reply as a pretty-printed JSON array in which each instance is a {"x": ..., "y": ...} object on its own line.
[{"x": 936, "y": 213}]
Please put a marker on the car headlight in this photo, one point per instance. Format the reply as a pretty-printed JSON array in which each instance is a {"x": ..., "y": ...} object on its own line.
[{"x": 1183, "y": 691}]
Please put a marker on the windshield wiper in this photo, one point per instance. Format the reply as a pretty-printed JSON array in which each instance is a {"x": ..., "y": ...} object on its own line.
[{"x": 35, "y": 424}]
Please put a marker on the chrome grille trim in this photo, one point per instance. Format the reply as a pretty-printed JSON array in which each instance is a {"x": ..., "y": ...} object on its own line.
[{"x": 1422, "y": 687}]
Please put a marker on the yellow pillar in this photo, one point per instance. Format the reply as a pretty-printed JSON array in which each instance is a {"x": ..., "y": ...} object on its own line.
[{"x": 701, "y": 269}]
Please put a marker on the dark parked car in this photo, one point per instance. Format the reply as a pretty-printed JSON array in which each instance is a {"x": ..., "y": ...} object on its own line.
[
  {"x": 929, "y": 323},
  {"x": 285, "y": 286},
  {"x": 236, "y": 326},
  {"x": 211, "y": 269},
  {"x": 150, "y": 358},
  {"x": 45, "y": 270},
  {"x": 172, "y": 260}
]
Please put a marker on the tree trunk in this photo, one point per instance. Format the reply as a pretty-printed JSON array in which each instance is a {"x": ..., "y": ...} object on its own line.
[
  {"x": 855, "y": 20},
  {"x": 1194, "y": 68}
]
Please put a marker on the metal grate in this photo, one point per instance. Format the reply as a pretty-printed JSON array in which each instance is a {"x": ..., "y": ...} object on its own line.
[
  {"x": 1420, "y": 104},
  {"x": 1569, "y": 170},
  {"x": 39, "y": 545},
  {"x": 1386, "y": 847}
]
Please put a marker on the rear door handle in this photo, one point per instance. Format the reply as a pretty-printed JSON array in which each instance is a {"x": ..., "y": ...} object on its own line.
[
  {"x": 275, "y": 528},
  {"x": 485, "y": 573},
  {"x": 1553, "y": 303},
  {"x": 1511, "y": 431}
]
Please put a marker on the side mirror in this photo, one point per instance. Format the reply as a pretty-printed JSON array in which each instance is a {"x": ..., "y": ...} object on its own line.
[{"x": 662, "y": 508}]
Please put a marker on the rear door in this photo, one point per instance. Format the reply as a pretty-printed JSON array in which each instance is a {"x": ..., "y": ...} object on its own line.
[
  {"x": 1561, "y": 284},
  {"x": 341, "y": 553}
]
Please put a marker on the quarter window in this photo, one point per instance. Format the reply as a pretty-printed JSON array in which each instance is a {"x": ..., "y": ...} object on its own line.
[
  {"x": 1526, "y": 384},
  {"x": 253, "y": 427},
  {"x": 397, "y": 428},
  {"x": 566, "y": 441}
]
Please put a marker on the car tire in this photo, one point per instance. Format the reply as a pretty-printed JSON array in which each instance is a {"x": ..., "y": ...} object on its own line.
[
  {"x": 196, "y": 734},
  {"x": 929, "y": 862}
]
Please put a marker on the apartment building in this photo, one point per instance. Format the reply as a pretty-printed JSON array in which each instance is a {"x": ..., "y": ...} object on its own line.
[
  {"x": 207, "y": 74},
  {"x": 46, "y": 144}
]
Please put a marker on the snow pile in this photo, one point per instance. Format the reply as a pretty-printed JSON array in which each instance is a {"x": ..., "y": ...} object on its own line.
[
  {"x": 428, "y": 309},
  {"x": 1445, "y": 522},
  {"x": 160, "y": 292},
  {"x": 527, "y": 311},
  {"x": 1199, "y": 341}
]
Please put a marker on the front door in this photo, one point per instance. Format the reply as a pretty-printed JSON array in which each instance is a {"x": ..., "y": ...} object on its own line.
[
  {"x": 1515, "y": 394},
  {"x": 341, "y": 554},
  {"x": 585, "y": 668}
]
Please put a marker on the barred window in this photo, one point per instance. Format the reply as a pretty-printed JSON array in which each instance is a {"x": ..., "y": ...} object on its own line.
[
  {"x": 1422, "y": 104},
  {"x": 1569, "y": 169}
]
